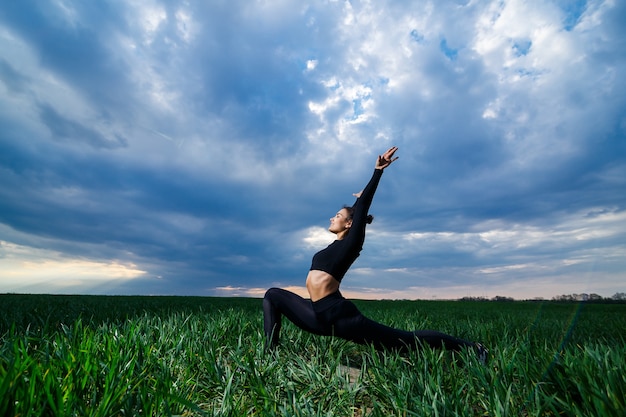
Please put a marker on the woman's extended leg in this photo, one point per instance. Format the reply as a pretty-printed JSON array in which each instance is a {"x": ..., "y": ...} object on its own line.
[
  {"x": 278, "y": 302},
  {"x": 351, "y": 324}
]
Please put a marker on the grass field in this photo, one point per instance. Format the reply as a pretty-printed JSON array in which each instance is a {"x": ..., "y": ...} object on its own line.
[{"x": 127, "y": 356}]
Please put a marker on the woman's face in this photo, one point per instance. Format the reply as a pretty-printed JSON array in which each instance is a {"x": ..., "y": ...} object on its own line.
[{"x": 340, "y": 222}]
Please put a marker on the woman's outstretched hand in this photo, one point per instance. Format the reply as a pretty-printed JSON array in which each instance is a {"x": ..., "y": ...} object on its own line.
[{"x": 386, "y": 159}]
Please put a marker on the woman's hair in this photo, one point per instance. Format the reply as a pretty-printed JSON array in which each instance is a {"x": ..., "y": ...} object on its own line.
[{"x": 350, "y": 210}]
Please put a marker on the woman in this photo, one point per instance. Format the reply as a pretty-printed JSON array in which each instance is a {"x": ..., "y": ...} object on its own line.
[{"x": 327, "y": 312}]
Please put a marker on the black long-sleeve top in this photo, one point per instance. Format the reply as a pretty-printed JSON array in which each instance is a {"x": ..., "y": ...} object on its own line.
[{"x": 337, "y": 258}]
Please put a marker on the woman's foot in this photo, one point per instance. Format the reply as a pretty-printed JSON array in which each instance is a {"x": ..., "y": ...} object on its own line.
[{"x": 482, "y": 353}]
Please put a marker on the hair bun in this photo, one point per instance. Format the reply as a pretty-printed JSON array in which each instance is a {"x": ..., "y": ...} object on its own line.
[{"x": 369, "y": 219}]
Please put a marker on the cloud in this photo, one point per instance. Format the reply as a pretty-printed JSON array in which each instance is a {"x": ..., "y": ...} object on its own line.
[
  {"x": 28, "y": 269},
  {"x": 206, "y": 145}
]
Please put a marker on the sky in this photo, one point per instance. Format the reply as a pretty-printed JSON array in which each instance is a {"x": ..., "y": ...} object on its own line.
[{"x": 200, "y": 147}]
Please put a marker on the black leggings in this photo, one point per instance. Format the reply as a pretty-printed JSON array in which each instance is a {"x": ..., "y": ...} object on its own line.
[{"x": 333, "y": 315}]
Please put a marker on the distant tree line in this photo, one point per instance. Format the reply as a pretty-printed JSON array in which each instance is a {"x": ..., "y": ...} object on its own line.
[
  {"x": 496, "y": 298},
  {"x": 617, "y": 297}
]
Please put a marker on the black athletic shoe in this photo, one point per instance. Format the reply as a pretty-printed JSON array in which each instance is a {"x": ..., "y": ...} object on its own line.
[{"x": 482, "y": 353}]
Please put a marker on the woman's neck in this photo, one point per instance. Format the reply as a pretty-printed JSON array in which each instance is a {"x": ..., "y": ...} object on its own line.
[{"x": 342, "y": 234}]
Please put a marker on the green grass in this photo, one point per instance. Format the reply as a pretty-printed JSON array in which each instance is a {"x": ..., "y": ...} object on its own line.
[{"x": 195, "y": 356}]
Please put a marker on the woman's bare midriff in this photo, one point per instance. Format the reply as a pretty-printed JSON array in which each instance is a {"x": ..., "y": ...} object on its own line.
[{"x": 320, "y": 284}]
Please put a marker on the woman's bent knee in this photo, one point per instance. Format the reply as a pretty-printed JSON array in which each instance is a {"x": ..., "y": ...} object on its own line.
[{"x": 270, "y": 292}]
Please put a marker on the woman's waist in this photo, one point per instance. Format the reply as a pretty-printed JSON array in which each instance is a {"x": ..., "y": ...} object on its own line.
[{"x": 320, "y": 284}]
